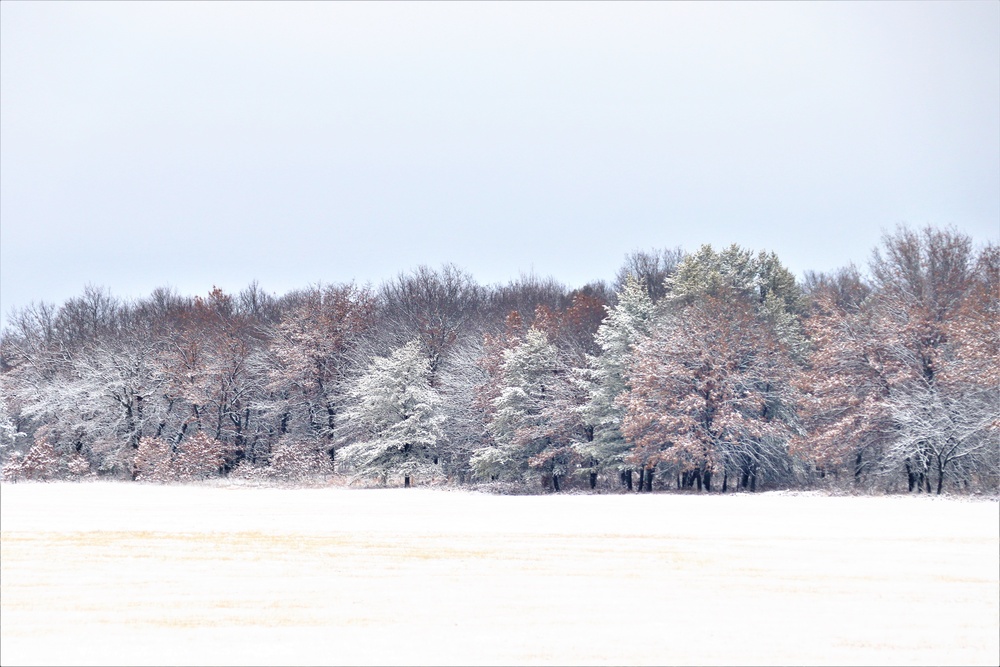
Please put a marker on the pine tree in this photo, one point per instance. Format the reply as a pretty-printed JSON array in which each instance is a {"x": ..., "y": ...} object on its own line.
[
  {"x": 736, "y": 273},
  {"x": 625, "y": 325},
  {"x": 399, "y": 416},
  {"x": 534, "y": 421}
]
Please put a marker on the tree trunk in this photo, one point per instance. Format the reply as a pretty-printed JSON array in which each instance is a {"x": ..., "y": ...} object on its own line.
[
  {"x": 593, "y": 480},
  {"x": 555, "y": 483},
  {"x": 649, "y": 480},
  {"x": 628, "y": 479},
  {"x": 133, "y": 439},
  {"x": 708, "y": 481},
  {"x": 725, "y": 479},
  {"x": 940, "y": 471},
  {"x": 406, "y": 481}
]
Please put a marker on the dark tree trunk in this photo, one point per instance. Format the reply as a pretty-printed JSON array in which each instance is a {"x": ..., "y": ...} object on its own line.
[
  {"x": 133, "y": 439},
  {"x": 753, "y": 482},
  {"x": 180, "y": 435},
  {"x": 406, "y": 481},
  {"x": 708, "y": 480},
  {"x": 649, "y": 480},
  {"x": 555, "y": 483},
  {"x": 331, "y": 419},
  {"x": 628, "y": 479},
  {"x": 593, "y": 480},
  {"x": 725, "y": 479},
  {"x": 940, "y": 472},
  {"x": 697, "y": 478}
]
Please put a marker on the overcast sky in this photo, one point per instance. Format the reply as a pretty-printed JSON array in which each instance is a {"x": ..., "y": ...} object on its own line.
[{"x": 192, "y": 144}]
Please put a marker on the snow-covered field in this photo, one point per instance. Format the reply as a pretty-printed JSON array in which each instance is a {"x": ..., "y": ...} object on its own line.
[{"x": 115, "y": 573}]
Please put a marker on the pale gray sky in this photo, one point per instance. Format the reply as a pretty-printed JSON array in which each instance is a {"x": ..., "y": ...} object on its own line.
[{"x": 192, "y": 144}]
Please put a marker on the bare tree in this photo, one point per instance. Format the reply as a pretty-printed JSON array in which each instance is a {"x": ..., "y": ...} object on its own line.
[
  {"x": 651, "y": 268},
  {"x": 433, "y": 306}
]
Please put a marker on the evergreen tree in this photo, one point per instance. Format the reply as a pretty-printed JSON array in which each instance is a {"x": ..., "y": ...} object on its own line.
[
  {"x": 736, "y": 273},
  {"x": 399, "y": 416},
  {"x": 625, "y": 325},
  {"x": 534, "y": 420}
]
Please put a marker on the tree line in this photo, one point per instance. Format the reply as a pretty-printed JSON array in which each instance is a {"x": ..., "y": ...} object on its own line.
[{"x": 712, "y": 369}]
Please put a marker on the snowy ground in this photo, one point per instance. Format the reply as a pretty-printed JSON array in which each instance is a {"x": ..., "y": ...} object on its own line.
[{"x": 106, "y": 573}]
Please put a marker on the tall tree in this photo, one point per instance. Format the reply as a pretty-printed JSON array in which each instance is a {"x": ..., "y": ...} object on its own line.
[
  {"x": 651, "y": 268},
  {"x": 627, "y": 323},
  {"x": 736, "y": 273},
  {"x": 397, "y": 416},
  {"x": 893, "y": 383},
  {"x": 709, "y": 394},
  {"x": 434, "y": 307},
  {"x": 535, "y": 419},
  {"x": 312, "y": 353}
]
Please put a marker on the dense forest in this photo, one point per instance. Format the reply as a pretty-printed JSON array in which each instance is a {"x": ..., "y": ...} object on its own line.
[{"x": 710, "y": 370}]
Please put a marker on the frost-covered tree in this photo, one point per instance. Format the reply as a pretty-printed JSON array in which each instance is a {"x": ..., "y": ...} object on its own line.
[
  {"x": 9, "y": 434},
  {"x": 397, "y": 415},
  {"x": 154, "y": 461},
  {"x": 216, "y": 370},
  {"x": 463, "y": 378},
  {"x": 710, "y": 394},
  {"x": 535, "y": 421},
  {"x": 197, "y": 457},
  {"x": 904, "y": 382},
  {"x": 96, "y": 400},
  {"x": 938, "y": 431},
  {"x": 845, "y": 387},
  {"x": 310, "y": 358},
  {"x": 736, "y": 273},
  {"x": 41, "y": 462},
  {"x": 433, "y": 307},
  {"x": 651, "y": 268},
  {"x": 626, "y": 324}
]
